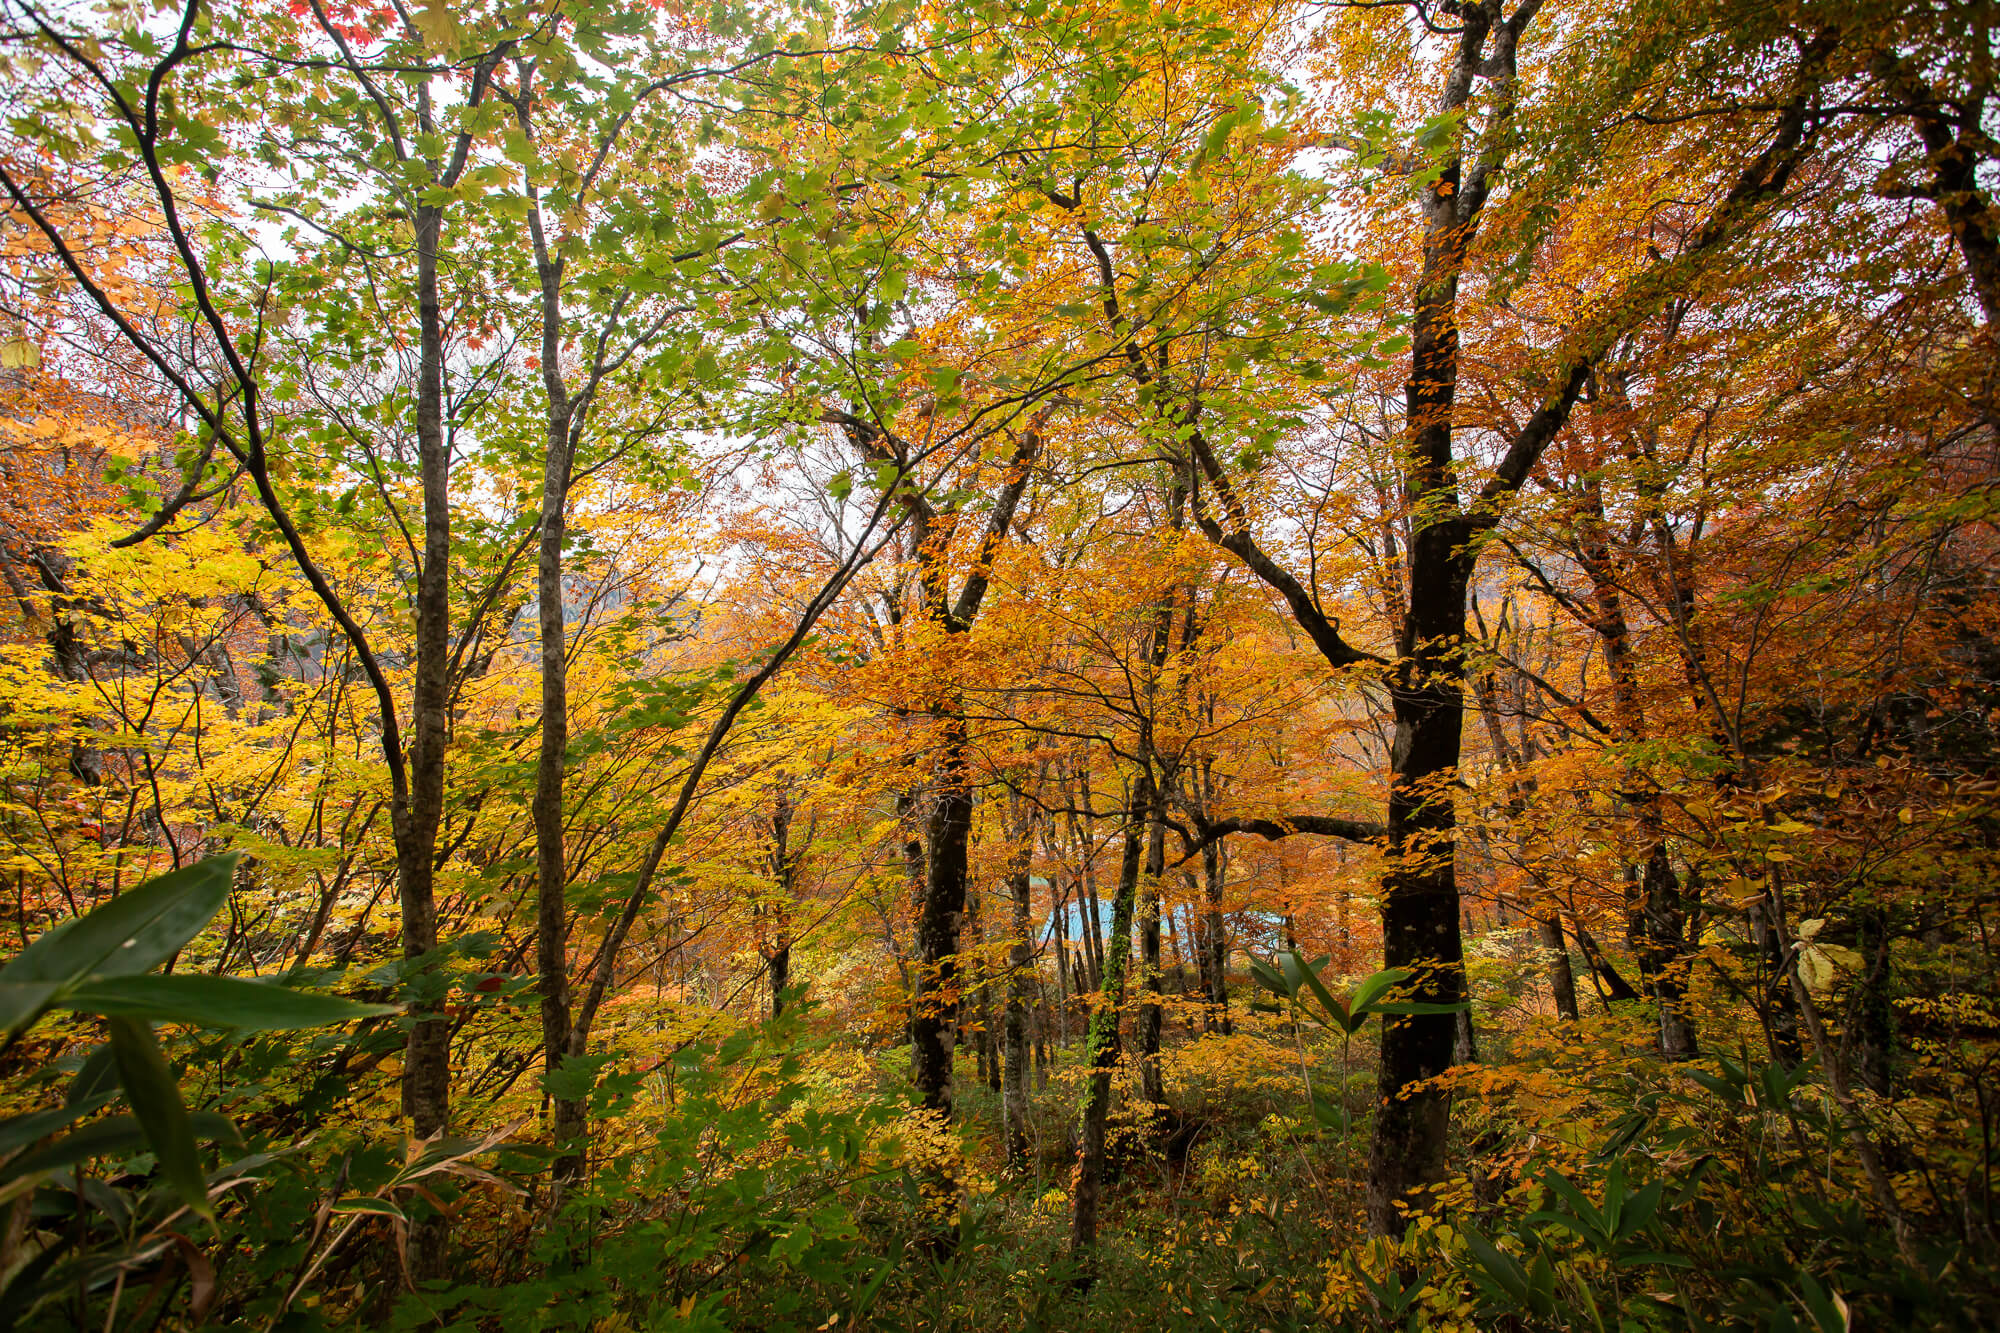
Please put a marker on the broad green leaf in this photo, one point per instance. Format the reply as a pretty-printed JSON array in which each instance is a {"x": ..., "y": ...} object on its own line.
[
  {"x": 1269, "y": 976},
  {"x": 1372, "y": 988},
  {"x": 217, "y": 1002},
  {"x": 156, "y": 1099},
  {"x": 1336, "y": 1011},
  {"x": 18, "y": 1131},
  {"x": 132, "y": 934},
  {"x": 95, "y": 1083},
  {"x": 21, "y": 1003},
  {"x": 102, "y": 1138},
  {"x": 373, "y": 1207}
]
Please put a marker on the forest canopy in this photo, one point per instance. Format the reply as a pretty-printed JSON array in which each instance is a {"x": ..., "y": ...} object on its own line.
[{"x": 1184, "y": 664}]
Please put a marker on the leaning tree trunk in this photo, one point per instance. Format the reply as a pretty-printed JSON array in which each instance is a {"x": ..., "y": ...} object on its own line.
[{"x": 1562, "y": 978}]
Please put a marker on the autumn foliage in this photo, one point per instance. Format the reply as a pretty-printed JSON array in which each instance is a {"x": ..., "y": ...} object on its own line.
[{"x": 1210, "y": 665}]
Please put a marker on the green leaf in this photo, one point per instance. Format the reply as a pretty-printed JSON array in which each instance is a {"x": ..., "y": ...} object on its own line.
[
  {"x": 373, "y": 1207},
  {"x": 217, "y": 1002},
  {"x": 18, "y": 1131},
  {"x": 156, "y": 1100},
  {"x": 1270, "y": 977},
  {"x": 1363, "y": 1001},
  {"x": 132, "y": 934},
  {"x": 1507, "y": 1274},
  {"x": 1336, "y": 1012},
  {"x": 95, "y": 1082},
  {"x": 102, "y": 1138}
]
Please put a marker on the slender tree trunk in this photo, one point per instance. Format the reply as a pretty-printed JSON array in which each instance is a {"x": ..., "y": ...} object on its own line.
[
  {"x": 551, "y": 872},
  {"x": 415, "y": 822},
  {"x": 933, "y": 1026},
  {"x": 1665, "y": 961},
  {"x": 1151, "y": 1085},
  {"x": 1656, "y": 917},
  {"x": 1102, "y": 1044},
  {"x": 1215, "y": 942},
  {"x": 1020, "y": 994},
  {"x": 1093, "y": 923},
  {"x": 1062, "y": 971}
]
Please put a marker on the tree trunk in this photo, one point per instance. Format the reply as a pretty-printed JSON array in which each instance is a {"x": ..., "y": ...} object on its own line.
[
  {"x": 1420, "y": 927},
  {"x": 1562, "y": 980},
  {"x": 1874, "y": 1025},
  {"x": 1655, "y": 930},
  {"x": 415, "y": 820},
  {"x": 933, "y": 1024},
  {"x": 1215, "y": 937},
  {"x": 1664, "y": 957},
  {"x": 1020, "y": 994},
  {"x": 551, "y": 877},
  {"x": 1102, "y": 1045},
  {"x": 781, "y": 974},
  {"x": 1150, "y": 1083}
]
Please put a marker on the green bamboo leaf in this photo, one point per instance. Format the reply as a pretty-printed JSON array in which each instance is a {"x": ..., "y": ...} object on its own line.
[
  {"x": 1365, "y": 995},
  {"x": 1269, "y": 976},
  {"x": 95, "y": 1083},
  {"x": 18, "y": 1131},
  {"x": 156, "y": 1100},
  {"x": 1336, "y": 1012},
  {"x": 373, "y": 1207},
  {"x": 218, "y": 1002},
  {"x": 118, "y": 1134},
  {"x": 132, "y": 934}
]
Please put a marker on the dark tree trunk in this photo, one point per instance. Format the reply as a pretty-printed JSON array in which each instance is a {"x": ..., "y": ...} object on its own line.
[
  {"x": 781, "y": 975},
  {"x": 1612, "y": 987},
  {"x": 1420, "y": 926},
  {"x": 1956, "y": 144},
  {"x": 1874, "y": 1023},
  {"x": 1663, "y": 955},
  {"x": 1150, "y": 1084},
  {"x": 1778, "y": 1007},
  {"x": 950, "y": 824},
  {"x": 1215, "y": 939},
  {"x": 934, "y": 1021}
]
